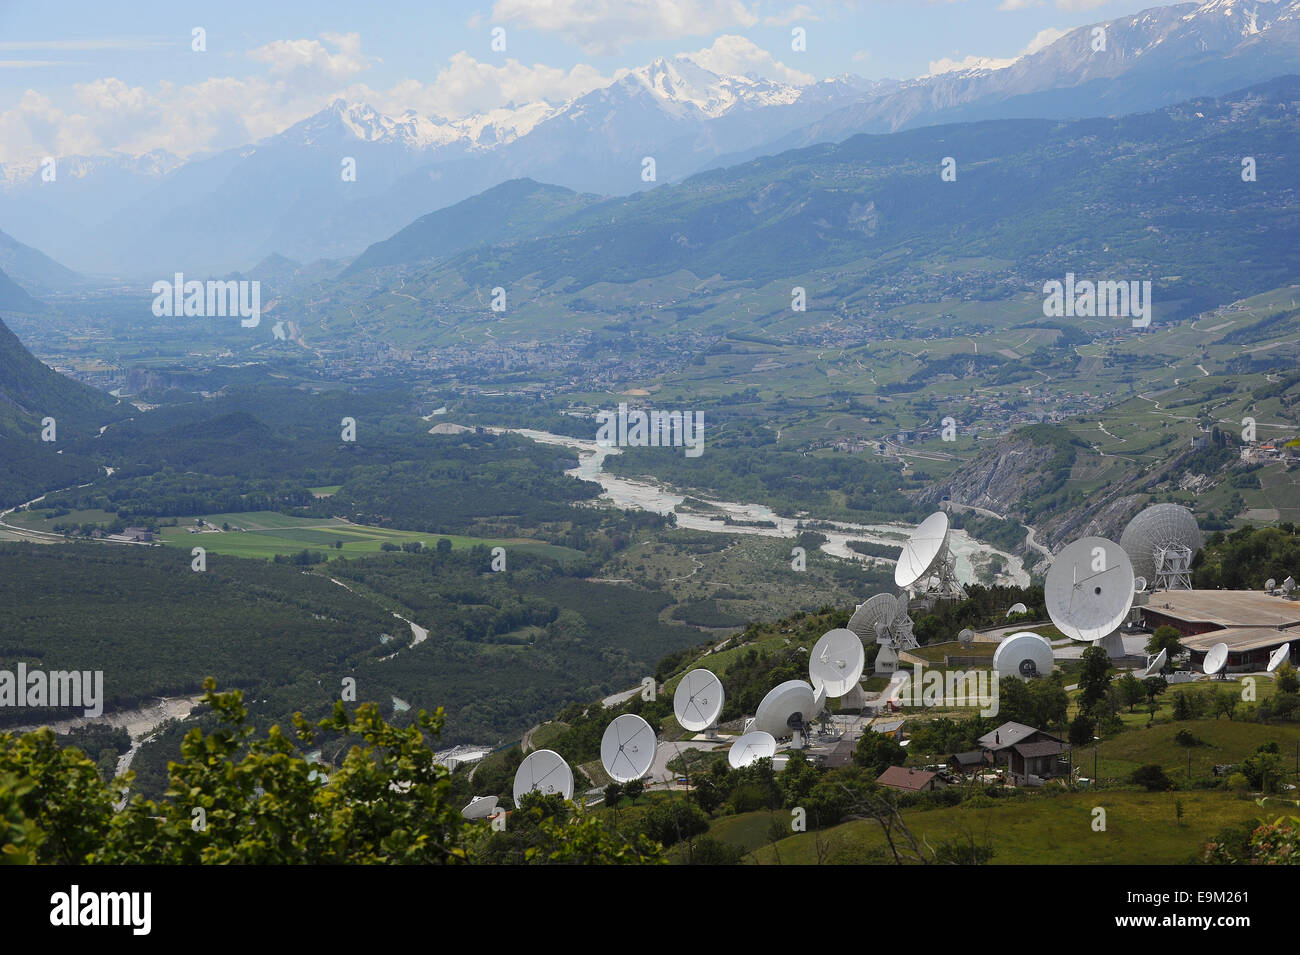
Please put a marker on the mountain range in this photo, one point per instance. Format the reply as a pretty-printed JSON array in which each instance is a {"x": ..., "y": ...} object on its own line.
[
  {"x": 868, "y": 225},
  {"x": 152, "y": 215}
]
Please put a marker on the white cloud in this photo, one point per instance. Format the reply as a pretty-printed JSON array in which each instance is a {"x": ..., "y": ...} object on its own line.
[
  {"x": 301, "y": 77},
  {"x": 796, "y": 14},
  {"x": 1042, "y": 39},
  {"x": 602, "y": 27},
  {"x": 1018, "y": 4},
  {"x": 1080, "y": 4},
  {"x": 310, "y": 61},
  {"x": 734, "y": 55}
]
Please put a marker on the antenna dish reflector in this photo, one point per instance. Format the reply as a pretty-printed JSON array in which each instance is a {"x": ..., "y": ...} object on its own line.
[
  {"x": 1154, "y": 666},
  {"x": 1278, "y": 657},
  {"x": 1089, "y": 588},
  {"x": 1288, "y": 585},
  {"x": 1023, "y": 655},
  {"x": 627, "y": 750},
  {"x": 872, "y": 619},
  {"x": 480, "y": 807},
  {"x": 1161, "y": 541},
  {"x": 1215, "y": 658},
  {"x": 750, "y": 748},
  {"x": 819, "y": 701},
  {"x": 784, "y": 702},
  {"x": 921, "y": 549},
  {"x": 1017, "y": 608},
  {"x": 543, "y": 771},
  {"x": 836, "y": 662},
  {"x": 697, "y": 702},
  {"x": 1270, "y": 583},
  {"x": 966, "y": 637}
]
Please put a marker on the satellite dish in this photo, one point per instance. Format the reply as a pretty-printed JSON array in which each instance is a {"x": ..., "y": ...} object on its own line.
[
  {"x": 750, "y": 748},
  {"x": 543, "y": 771},
  {"x": 697, "y": 703},
  {"x": 1154, "y": 666},
  {"x": 925, "y": 555},
  {"x": 1017, "y": 608},
  {"x": 1139, "y": 585},
  {"x": 1161, "y": 542},
  {"x": 480, "y": 807},
  {"x": 872, "y": 619},
  {"x": 836, "y": 662},
  {"x": 966, "y": 637},
  {"x": 627, "y": 750},
  {"x": 1215, "y": 658},
  {"x": 1270, "y": 583},
  {"x": 1278, "y": 657},
  {"x": 1023, "y": 655},
  {"x": 819, "y": 701},
  {"x": 782, "y": 703},
  {"x": 1288, "y": 585},
  {"x": 1087, "y": 603}
]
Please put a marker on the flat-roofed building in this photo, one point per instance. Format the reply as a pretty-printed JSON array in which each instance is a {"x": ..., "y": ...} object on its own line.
[{"x": 1252, "y": 623}]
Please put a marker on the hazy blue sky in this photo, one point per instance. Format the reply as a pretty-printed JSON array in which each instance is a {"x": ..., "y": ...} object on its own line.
[{"x": 84, "y": 77}]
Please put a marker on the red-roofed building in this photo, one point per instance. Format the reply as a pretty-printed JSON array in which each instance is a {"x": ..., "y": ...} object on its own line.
[{"x": 910, "y": 780}]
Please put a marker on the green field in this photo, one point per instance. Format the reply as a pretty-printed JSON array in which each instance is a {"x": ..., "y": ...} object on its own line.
[
  {"x": 266, "y": 534},
  {"x": 1141, "y": 828}
]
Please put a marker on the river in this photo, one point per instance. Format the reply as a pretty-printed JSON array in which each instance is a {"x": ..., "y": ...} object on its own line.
[{"x": 640, "y": 495}]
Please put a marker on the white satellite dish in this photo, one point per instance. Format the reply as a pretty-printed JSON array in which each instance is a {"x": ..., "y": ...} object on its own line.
[
  {"x": 750, "y": 748},
  {"x": 872, "y": 618},
  {"x": 1278, "y": 657},
  {"x": 1288, "y": 585},
  {"x": 924, "y": 556},
  {"x": 966, "y": 637},
  {"x": 836, "y": 662},
  {"x": 480, "y": 807},
  {"x": 1215, "y": 658},
  {"x": 786, "y": 710},
  {"x": 1154, "y": 666},
  {"x": 1089, "y": 589},
  {"x": 1161, "y": 542},
  {"x": 543, "y": 771},
  {"x": 1270, "y": 583},
  {"x": 1139, "y": 585},
  {"x": 1017, "y": 608},
  {"x": 697, "y": 703},
  {"x": 819, "y": 701},
  {"x": 627, "y": 750},
  {"x": 1023, "y": 655}
]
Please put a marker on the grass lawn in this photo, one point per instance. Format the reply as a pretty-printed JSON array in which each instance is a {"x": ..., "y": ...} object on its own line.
[
  {"x": 1140, "y": 829},
  {"x": 1225, "y": 741}
]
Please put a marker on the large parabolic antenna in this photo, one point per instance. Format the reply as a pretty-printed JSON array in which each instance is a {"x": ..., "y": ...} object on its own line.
[
  {"x": 1278, "y": 657},
  {"x": 543, "y": 771},
  {"x": 836, "y": 662},
  {"x": 786, "y": 710},
  {"x": 1216, "y": 658},
  {"x": 884, "y": 620},
  {"x": 750, "y": 748},
  {"x": 627, "y": 750},
  {"x": 925, "y": 564},
  {"x": 1024, "y": 655},
  {"x": 697, "y": 703},
  {"x": 1161, "y": 542},
  {"x": 1017, "y": 608},
  {"x": 966, "y": 637},
  {"x": 1089, "y": 589}
]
